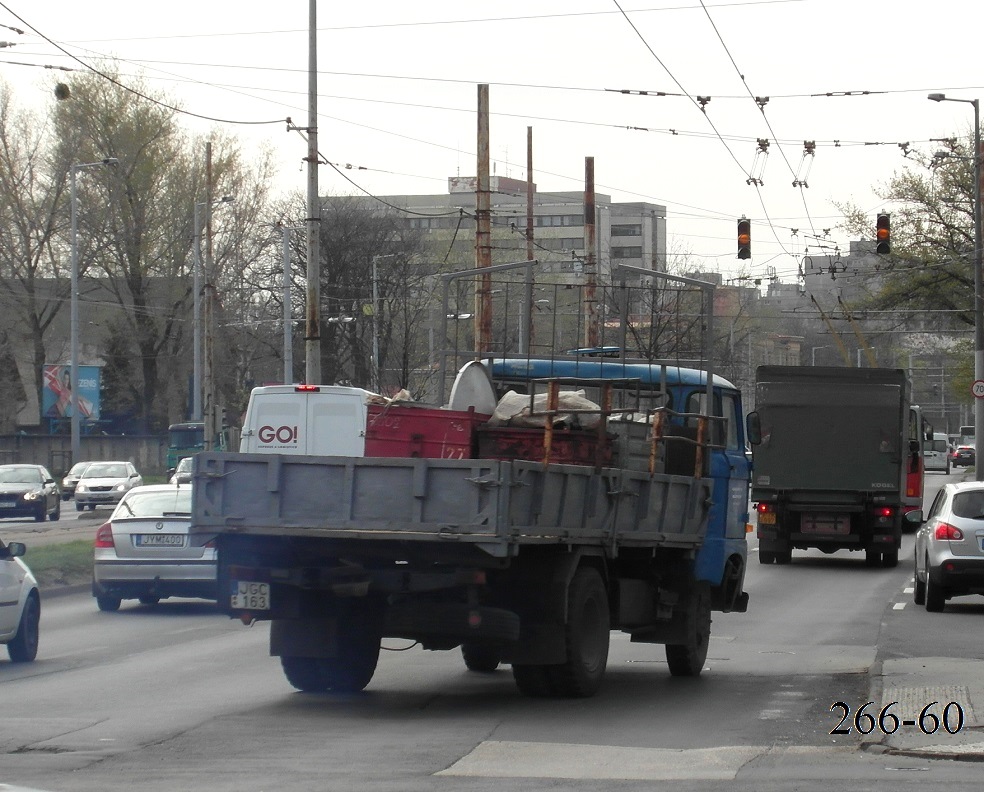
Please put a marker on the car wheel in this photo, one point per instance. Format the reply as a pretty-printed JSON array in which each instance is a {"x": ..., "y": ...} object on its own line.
[
  {"x": 24, "y": 647},
  {"x": 108, "y": 603},
  {"x": 919, "y": 588},
  {"x": 92, "y": 507},
  {"x": 935, "y": 595},
  {"x": 79, "y": 506},
  {"x": 41, "y": 514},
  {"x": 56, "y": 514}
]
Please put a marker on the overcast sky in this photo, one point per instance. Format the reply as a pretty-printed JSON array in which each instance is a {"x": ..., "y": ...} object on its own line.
[{"x": 397, "y": 96}]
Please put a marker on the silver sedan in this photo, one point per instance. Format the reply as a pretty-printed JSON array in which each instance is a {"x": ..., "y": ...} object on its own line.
[
  {"x": 145, "y": 552},
  {"x": 949, "y": 556}
]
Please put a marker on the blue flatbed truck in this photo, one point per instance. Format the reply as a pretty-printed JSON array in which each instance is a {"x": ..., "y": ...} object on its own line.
[{"x": 530, "y": 562}]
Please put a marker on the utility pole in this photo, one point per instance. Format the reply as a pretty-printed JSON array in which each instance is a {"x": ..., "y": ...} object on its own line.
[
  {"x": 590, "y": 260},
  {"x": 208, "y": 376},
  {"x": 483, "y": 228},
  {"x": 312, "y": 312}
]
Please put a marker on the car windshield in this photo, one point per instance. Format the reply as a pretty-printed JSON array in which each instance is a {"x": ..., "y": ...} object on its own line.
[
  {"x": 155, "y": 504},
  {"x": 20, "y": 476},
  {"x": 184, "y": 466},
  {"x": 108, "y": 470},
  {"x": 77, "y": 468},
  {"x": 969, "y": 505}
]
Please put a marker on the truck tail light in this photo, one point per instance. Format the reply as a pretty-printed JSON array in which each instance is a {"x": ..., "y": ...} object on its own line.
[
  {"x": 765, "y": 508},
  {"x": 947, "y": 532},
  {"x": 104, "y": 536},
  {"x": 884, "y": 511}
]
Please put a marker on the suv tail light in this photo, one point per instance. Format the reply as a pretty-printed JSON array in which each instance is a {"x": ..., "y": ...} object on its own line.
[
  {"x": 104, "y": 536},
  {"x": 945, "y": 531}
]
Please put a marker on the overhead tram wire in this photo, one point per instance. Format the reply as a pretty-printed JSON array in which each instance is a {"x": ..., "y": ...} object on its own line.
[{"x": 127, "y": 88}]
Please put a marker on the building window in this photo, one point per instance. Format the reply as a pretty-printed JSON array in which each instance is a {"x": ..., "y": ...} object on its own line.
[
  {"x": 627, "y": 230},
  {"x": 559, "y": 220},
  {"x": 627, "y": 252}
]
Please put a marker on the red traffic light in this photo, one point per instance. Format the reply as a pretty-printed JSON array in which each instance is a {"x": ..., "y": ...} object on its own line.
[
  {"x": 744, "y": 239},
  {"x": 883, "y": 234}
]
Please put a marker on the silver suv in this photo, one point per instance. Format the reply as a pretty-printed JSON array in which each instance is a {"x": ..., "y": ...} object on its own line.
[{"x": 949, "y": 556}]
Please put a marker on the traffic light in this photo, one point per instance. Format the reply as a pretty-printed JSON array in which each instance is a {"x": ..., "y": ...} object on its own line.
[
  {"x": 744, "y": 239},
  {"x": 883, "y": 234}
]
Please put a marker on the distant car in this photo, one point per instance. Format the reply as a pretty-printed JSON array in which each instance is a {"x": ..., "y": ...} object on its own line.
[
  {"x": 145, "y": 551},
  {"x": 71, "y": 479},
  {"x": 963, "y": 455},
  {"x": 20, "y": 604},
  {"x": 29, "y": 491},
  {"x": 182, "y": 473},
  {"x": 949, "y": 554},
  {"x": 105, "y": 483},
  {"x": 936, "y": 453}
]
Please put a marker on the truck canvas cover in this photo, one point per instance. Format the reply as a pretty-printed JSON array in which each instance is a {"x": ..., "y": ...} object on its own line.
[{"x": 850, "y": 436}]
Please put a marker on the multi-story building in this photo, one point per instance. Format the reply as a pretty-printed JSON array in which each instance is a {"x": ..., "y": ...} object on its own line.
[{"x": 626, "y": 233}]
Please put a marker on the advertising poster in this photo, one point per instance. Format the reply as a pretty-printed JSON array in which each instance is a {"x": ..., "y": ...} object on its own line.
[{"x": 56, "y": 396}]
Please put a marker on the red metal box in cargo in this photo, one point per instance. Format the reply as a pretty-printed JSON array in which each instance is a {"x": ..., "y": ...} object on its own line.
[
  {"x": 405, "y": 430},
  {"x": 568, "y": 446}
]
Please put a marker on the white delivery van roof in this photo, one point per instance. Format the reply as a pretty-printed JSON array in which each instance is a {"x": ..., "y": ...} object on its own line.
[{"x": 320, "y": 420}]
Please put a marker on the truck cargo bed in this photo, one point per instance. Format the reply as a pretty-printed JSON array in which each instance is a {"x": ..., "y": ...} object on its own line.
[{"x": 496, "y": 505}]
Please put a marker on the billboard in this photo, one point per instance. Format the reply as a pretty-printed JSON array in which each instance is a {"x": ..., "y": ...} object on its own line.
[{"x": 56, "y": 393}]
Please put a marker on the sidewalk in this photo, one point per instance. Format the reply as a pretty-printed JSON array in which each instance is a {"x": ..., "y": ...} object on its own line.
[{"x": 915, "y": 683}]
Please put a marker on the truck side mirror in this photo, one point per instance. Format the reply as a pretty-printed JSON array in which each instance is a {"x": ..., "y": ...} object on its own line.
[{"x": 753, "y": 428}]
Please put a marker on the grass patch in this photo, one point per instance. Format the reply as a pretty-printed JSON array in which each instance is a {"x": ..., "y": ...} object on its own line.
[{"x": 62, "y": 564}]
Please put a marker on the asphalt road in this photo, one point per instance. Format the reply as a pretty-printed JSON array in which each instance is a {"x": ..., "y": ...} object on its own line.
[{"x": 179, "y": 697}]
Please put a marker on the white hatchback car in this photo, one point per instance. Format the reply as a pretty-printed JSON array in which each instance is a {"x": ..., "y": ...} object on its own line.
[
  {"x": 20, "y": 604},
  {"x": 145, "y": 551}
]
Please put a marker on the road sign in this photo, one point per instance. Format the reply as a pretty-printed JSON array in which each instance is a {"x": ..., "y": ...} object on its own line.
[{"x": 978, "y": 389}]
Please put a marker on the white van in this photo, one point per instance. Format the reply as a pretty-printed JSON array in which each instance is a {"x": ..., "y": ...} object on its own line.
[
  {"x": 320, "y": 420},
  {"x": 936, "y": 453}
]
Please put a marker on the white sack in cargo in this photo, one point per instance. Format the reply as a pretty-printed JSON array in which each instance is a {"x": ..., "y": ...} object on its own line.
[{"x": 513, "y": 409}]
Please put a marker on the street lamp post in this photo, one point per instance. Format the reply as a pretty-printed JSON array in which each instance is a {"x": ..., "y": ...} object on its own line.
[
  {"x": 978, "y": 244},
  {"x": 74, "y": 374},
  {"x": 196, "y": 385}
]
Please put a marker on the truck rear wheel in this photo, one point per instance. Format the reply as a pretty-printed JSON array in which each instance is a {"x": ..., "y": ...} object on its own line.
[
  {"x": 766, "y": 557},
  {"x": 872, "y": 558},
  {"x": 588, "y": 631},
  {"x": 687, "y": 659},
  {"x": 482, "y": 658},
  {"x": 355, "y": 649},
  {"x": 890, "y": 558}
]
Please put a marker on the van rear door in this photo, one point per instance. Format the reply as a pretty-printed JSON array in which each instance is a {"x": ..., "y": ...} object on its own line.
[{"x": 328, "y": 420}]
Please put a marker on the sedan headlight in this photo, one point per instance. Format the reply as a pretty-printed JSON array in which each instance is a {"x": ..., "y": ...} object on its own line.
[
  {"x": 80, "y": 487},
  {"x": 120, "y": 488},
  {"x": 33, "y": 495}
]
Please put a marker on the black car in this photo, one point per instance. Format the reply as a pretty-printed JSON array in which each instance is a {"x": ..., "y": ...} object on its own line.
[
  {"x": 963, "y": 455},
  {"x": 29, "y": 491}
]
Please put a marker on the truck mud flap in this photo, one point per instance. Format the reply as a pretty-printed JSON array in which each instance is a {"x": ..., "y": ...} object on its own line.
[{"x": 442, "y": 625}]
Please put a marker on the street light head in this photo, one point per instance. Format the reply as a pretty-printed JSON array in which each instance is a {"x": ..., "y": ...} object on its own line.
[
  {"x": 110, "y": 161},
  {"x": 227, "y": 199},
  {"x": 936, "y": 97}
]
